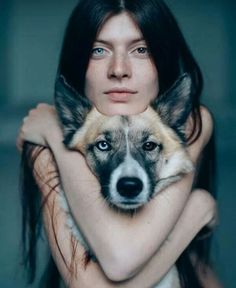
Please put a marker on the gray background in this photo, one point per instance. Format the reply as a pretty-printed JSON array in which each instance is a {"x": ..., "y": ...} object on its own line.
[{"x": 30, "y": 40}]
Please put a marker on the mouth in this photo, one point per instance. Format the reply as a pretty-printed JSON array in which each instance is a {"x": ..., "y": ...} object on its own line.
[
  {"x": 120, "y": 95},
  {"x": 128, "y": 206}
]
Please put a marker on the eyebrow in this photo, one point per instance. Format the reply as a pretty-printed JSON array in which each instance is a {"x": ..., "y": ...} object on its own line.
[{"x": 107, "y": 42}]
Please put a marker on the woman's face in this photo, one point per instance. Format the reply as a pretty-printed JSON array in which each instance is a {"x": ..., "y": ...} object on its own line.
[{"x": 121, "y": 78}]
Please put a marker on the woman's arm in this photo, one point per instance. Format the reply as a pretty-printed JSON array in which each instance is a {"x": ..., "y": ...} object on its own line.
[
  {"x": 117, "y": 239},
  {"x": 62, "y": 242}
]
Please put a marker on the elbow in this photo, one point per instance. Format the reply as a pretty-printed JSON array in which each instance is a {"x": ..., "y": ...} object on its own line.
[
  {"x": 206, "y": 204},
  {"x": 120, "y": 266},
  {"x": 116, "y": 273}
]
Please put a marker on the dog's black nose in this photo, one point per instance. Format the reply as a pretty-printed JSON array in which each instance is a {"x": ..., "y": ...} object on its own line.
[{"x": 129, "y": 187}]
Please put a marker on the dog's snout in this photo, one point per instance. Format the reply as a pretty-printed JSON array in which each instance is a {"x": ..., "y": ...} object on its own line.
[{"x": 129, "y": 187}]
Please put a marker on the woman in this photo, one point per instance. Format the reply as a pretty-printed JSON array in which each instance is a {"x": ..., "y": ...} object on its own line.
[{"x": 127, "y": 45}]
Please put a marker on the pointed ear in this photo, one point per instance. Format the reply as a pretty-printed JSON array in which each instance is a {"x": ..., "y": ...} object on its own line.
[
  {"x": 174, "y": 106},
  {"x": 72, "y": 108}
]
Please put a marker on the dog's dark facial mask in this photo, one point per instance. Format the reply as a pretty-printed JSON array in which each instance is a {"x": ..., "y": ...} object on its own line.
[{"x": 133, "y": 157}]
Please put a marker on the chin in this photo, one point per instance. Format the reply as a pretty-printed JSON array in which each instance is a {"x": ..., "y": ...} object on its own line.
[{"x": 121, "y": 109}]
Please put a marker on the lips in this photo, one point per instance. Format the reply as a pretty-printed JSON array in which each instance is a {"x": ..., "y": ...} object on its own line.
[{"x": 120, "y": 94}]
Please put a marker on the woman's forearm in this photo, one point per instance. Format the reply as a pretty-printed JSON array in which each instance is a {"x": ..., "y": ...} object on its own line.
[
  {"x": 60, "y": 238},
  {"x": 116, "y": 238},
  {"x": 182, "y": 234},
  {"x": 156, "y": 268}
]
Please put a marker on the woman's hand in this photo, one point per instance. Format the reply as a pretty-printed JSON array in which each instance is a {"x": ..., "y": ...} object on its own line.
[
  {"x": 66, "y": 255},
  {"x": 117, "y": 239},
  {"x": 114, "y": 233},
  {"x": 40, "y": 126}
]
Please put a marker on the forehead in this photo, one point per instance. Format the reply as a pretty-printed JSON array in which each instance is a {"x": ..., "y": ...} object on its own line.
[{"x": 120, "y": 27}]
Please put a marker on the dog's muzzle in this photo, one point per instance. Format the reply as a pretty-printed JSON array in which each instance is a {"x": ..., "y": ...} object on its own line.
[{"x": 129, "y": 185}]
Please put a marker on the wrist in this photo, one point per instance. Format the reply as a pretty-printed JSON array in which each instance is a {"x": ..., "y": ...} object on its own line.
[{"x": 54, "y": 138}]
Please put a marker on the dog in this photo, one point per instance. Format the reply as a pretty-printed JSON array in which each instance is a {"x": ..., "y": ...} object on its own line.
[{"x": 134, "y": 157}]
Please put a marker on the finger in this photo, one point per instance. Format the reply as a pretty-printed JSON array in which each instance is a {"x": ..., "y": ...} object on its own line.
[
  {"x": 25, "y": 118},
  {"x": 20, "y": 140},
  {"x": 43, "y": 105}
]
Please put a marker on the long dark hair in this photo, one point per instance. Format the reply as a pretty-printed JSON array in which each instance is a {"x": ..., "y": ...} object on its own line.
[{"x": 172, "y": 58}]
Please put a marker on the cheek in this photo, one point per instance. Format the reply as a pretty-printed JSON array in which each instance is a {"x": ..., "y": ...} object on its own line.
[
  {"x": 88, "y": 82},
  {"x": 153, "y": 80},
  {"x": 91, "y": 75},
  {"x": 148, "y": 80},
  {"x": 93, "y": 81},
  {"x": 153, "y": 85},
  {"x": 97, "y": 71}
]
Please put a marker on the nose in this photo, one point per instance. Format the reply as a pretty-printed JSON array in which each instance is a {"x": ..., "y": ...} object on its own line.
[
  {"x": 119, "y": 67},
  {"x": 129, "y": 187}
]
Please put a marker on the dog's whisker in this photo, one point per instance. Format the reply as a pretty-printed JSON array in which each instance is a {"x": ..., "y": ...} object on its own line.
[{"x": 134, "y": 212}]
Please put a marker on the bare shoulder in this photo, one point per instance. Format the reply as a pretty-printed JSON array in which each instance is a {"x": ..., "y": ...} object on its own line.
[
  {"x": 207, "y": 124},
  {"x": 206, "y": 127},
  {"x": 197, "y": 146}
]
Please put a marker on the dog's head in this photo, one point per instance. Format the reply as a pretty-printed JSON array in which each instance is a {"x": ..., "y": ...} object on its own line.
[{"x": 135, "y": 156}]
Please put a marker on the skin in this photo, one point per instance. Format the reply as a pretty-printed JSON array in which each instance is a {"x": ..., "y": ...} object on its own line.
[
  {"x": 117, "y": 239},
  {"x": 93, "y": 275},
  {"x": 120, "y": 59},
  {"x": 185, "y": 228}
]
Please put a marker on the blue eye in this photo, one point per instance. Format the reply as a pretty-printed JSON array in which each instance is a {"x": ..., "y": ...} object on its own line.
[
  {"x": 98, "y": 51},
  {"x": 103, "y": 146}
]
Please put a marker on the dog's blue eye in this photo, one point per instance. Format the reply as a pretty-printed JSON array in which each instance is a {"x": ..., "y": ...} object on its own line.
[
  {"x": 149, "y": 146},
  {"x": 103, "y": 146}
]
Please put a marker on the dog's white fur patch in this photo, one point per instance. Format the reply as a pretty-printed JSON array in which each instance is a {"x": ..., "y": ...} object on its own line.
[
  {"x": 176, "y": 164},
  {"x": 129, "y": 168}
]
